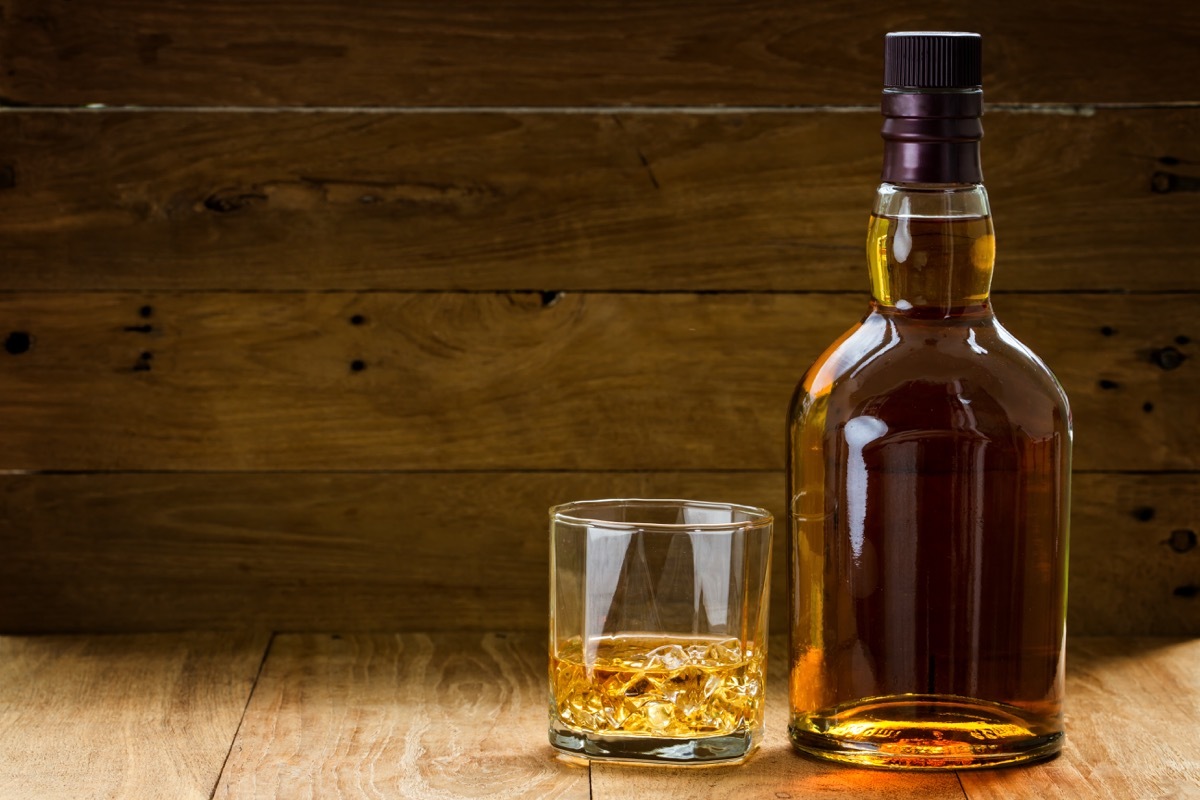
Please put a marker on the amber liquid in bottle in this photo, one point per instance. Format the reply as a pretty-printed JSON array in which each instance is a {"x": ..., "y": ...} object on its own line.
[{"x": 929, "y": 467}]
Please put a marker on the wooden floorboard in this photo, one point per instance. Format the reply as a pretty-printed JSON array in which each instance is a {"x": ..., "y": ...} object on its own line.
[
  {"x": 463, "y": 716},
  {"x": 680, "y": 201},
  {"x": 542, "y": 52},
  {"x": 325, "y": 722},
  {"x": 400, "y": 716},
  {"x": 121, "y": 716},
  {"x": 1132, "y": 711}
]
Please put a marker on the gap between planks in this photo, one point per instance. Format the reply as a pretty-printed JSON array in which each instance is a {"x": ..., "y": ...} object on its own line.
[
  {"x": 501, "y": 471},
  {"x": 136, "y": 290},
  {"x": 1056, "y": 109},
  {"x": 249, "y": 697}
]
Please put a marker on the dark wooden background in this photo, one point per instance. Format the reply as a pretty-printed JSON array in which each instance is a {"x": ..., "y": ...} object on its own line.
[{"x": 310, "y": 309}]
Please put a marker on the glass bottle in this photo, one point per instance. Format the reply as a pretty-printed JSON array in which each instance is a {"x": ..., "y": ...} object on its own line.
[{"x": 929, "y": 473}]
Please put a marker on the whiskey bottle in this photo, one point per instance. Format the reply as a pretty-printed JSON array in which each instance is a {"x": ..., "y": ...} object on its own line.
[{"x": 928, "y": 472}]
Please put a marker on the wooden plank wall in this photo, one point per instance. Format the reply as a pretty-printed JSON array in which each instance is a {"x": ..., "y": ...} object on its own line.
[{"x": 310, "y": 309}]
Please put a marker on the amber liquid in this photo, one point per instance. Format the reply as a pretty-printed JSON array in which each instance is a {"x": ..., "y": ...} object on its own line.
[
  {"x": 657, "y": 686},
  {"x": 929, "y": 472}
]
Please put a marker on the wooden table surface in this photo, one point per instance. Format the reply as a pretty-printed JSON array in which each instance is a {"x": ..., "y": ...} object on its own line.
[{"x": 447, "y": 716}]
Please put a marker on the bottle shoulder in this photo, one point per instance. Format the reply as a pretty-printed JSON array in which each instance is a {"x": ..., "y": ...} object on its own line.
[{"x": 905, "y": 365}]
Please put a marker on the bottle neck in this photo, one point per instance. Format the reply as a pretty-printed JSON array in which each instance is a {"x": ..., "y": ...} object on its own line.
[
  {"x": 932, "y": 136},
  {"x": 931, "y": 249}
]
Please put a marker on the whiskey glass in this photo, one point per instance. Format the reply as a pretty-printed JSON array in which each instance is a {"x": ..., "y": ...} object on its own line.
[{"x": 658, "y": 629}]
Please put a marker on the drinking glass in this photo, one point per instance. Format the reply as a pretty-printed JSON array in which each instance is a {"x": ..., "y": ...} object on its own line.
[{"x": 658, "y": 629}]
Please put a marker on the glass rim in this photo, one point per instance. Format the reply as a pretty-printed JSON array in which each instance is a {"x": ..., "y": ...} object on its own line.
[{"x": 565, "y": 512}]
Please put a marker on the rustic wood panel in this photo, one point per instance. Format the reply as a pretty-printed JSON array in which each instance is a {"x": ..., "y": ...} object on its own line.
[
  {"x": 456, "y": 551},
  {"x": 1132, "y": 707},
  {"x": 403, "y": 716},
  {"x": 1135, "y": 566},
  {"x": 220, "y": 381},
  {"x": 121, "y": 716},
  {"x": 140, "y": 201},
  {"x": 324, "y": 52},
  {"x": 303, "y": 552}
]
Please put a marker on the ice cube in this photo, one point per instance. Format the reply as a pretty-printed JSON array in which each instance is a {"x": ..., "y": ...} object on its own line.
[
  {"x": 659, "y": 714},
  {"x": 616, "y": 716},
  {"x": 723, "y": 653},
  {"x": 669, "y": 656}
]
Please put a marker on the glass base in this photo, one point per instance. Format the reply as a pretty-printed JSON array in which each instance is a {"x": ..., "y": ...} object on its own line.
[
  {"x": 924, "y": 732},
  {"x": 718, "y": 749}
]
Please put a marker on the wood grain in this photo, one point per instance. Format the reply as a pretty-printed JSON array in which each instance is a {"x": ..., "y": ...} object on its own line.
[
  {"x": 401, "y": 716},
  {"x": 1135, "y": 567},
  {"x": 453, "y": 551},
  {"x": 681, "y": 201},
  {"x": 324, "y": 52},
  {"x": 219, "y": 381},
  {"x": 303, "y": 552},
  {"x": 1132, "y": 707},
  {"x": 452, "y": 716},
  {"x": 121, "y": 716}
]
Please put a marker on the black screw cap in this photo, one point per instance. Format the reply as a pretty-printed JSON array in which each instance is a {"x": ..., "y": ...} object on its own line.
[{"x": 933, "y": 60}]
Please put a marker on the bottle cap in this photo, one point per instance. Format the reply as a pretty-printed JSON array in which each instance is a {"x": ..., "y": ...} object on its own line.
[{"x": 916, "y": 60}]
